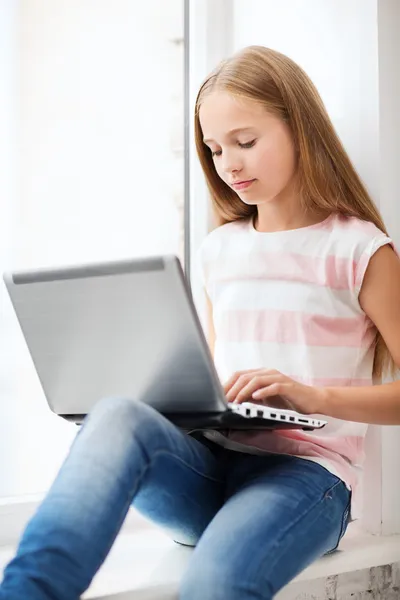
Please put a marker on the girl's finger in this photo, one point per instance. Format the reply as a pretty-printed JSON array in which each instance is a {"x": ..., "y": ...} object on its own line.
[
  {"x": 257, "y": 382},
  {"x": 233, "y": 379},
  {"x": 241, "y": 382},
  {"x": 275, "y": 389}
]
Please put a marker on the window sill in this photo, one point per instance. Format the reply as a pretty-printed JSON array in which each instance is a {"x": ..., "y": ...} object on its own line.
[{"x": 146, "y": 565}]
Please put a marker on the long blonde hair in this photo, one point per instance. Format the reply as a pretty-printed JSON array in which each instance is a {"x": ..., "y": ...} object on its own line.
[{"x": 327, "y": 180}]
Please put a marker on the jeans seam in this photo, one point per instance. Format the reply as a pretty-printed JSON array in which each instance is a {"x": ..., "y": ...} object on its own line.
[
  {"x": 343, "y": 526},
  {"x": 308, "y": 510},
  {"x": 284, "y": 532},
  {"x": 178, "y": 458},
  {"x": 167, "y": 452}
]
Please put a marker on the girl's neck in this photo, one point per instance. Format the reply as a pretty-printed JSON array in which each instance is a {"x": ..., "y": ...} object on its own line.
[{"x": 269, "y": 219}]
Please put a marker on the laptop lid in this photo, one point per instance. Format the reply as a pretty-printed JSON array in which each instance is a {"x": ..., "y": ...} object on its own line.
[{"x": 118, "y": 329}]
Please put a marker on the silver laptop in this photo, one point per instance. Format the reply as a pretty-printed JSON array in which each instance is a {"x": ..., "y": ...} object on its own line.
[{"x": 128, "y": 329}]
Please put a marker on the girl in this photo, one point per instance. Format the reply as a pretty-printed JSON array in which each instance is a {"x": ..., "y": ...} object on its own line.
[{"x": 304, "y": 288}]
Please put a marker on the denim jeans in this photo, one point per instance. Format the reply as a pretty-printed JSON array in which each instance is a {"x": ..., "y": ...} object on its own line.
[{"x": 256, "y": 521}]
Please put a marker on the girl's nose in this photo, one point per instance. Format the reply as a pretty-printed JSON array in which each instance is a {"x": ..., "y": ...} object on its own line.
[{"x": 231, "y": 163}]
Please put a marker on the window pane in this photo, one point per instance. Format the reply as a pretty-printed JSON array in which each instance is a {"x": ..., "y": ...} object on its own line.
[
  {"x": 92, "y": 92},
  {"x": 101, "y": 136}
]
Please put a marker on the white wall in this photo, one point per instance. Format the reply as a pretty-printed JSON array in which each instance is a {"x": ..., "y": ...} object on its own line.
[
  {"x": 356, "y": 72},
  {"x": 91, "y": 168}
]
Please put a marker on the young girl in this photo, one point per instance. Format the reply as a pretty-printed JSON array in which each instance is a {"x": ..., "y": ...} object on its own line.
[{"x": 304, "y": 287}]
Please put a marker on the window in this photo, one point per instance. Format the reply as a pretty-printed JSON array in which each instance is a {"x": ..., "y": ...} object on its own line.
[{"x": 93, "y": 96}]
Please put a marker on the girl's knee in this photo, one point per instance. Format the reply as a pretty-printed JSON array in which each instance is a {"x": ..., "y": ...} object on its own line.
[
  {"x": 208, "y": 577},
  {"x": 130, "y": 423},
  {"x": 120, "y": 413},
  {"x": 218, "y": 582}
]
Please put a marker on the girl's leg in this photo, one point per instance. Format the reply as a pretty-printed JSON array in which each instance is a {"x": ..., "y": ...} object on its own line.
[
  {"x": 280, "y": 515},
  {"x": 124, "y": 452}
]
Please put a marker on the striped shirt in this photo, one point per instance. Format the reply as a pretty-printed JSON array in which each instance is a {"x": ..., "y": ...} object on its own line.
[{"x": 289, "y": 300}]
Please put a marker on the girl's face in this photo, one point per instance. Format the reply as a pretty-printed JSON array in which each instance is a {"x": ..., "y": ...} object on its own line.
[{"x": 252, "y": 149}]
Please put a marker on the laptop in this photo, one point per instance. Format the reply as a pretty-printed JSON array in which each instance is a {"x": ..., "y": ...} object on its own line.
[{"x": 129, "y": 329}]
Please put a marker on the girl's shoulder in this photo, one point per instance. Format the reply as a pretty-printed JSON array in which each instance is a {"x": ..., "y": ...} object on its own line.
[
  {"x": 220, "y": 241},
  {"x": 357, "y": 233},
  {"x": 229, "y": 229},
  {"x": 220, "y": 236},
  {"x": 355, "y": 226},
  {"x": 358, "y": 240}
]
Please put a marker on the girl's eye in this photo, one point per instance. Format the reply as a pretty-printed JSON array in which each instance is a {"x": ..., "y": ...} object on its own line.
[{"x": 247, "y": 144}]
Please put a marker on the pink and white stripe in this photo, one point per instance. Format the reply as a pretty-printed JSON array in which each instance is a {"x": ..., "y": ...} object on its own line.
[{"x": 289, "y": 300}]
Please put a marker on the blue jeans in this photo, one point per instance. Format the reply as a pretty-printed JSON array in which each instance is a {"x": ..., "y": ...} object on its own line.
[{"x": 256, "y": 521}]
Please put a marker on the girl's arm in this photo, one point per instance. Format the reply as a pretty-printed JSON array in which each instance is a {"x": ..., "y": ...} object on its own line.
[
  {"x": 380, "y": 404},
  {"x": 380, "y": 299}
]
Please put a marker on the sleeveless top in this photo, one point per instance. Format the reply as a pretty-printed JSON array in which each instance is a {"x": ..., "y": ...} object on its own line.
[{"x": 289, "y": 300}]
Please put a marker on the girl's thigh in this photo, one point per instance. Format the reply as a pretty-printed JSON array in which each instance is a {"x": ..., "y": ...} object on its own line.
[
  {"x": 281, "y": 513},
  {"x": 182, "y": 484}
]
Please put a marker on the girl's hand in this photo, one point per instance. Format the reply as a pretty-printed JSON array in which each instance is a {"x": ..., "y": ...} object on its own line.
[{"x": 272, "y": 388}]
